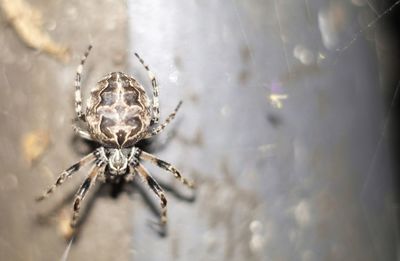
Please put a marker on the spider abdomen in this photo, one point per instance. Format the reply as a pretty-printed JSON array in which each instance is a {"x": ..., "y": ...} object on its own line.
[{"x": 118, "y": 111}]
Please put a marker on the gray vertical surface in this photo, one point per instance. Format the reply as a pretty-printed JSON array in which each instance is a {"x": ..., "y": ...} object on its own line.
[
  {"x": 307, "y": 179},
  {"x": 285, "y": 136}
]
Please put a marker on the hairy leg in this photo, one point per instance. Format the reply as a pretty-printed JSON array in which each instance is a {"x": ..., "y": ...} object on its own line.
[
  {"x": 156, "y": 106},
  {"x": 78, "y": 94},
  {"x": 86, "y": 185},
  {"x": 165, "y": 165},
  {"x": 68, "y": 173},
  {"x": 153, "y": 185},
  {"x": 161, "y": 127}
]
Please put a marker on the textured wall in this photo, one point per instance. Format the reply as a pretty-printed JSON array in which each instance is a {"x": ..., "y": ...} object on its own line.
[{"x": 283, "y": 126}]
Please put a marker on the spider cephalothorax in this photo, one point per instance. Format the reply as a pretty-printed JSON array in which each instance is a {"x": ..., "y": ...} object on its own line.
[{"x": 118, "y": 115}]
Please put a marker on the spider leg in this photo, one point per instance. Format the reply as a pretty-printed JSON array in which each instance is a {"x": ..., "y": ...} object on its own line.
[
  {"x": 78, "y": 94},
  {"x": 161, "y": 127},
  {"x": 84, "y": 134},
  {"x": 68, "y": 173},
  {"x": 165, "y": 165},
  {"x": 156, "y": 108},
  {"x": 86, "y": 185},
  {"x": 153, "y": 185}
]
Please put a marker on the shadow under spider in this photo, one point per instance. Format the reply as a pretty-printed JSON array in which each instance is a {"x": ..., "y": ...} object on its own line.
[
  {"x": 83, "y": 147},
  {"x": 152, "y": 202},
  {"x": 115, "y": 189}
]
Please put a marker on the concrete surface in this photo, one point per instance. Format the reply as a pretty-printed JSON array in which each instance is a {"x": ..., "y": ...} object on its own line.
[{"x": 285, "y": 135}]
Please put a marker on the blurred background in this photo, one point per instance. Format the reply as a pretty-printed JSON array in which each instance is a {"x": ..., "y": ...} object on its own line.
[{"x": 289, "y": 126}]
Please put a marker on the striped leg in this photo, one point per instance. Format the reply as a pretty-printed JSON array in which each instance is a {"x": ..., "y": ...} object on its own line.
[
  {"x": 78, "y": 95},
  {"x": 152, "y": 183},
  {"x": 84, "y": 134},
  {"x": 165, "y": 165},
  {"x": 68, "y": 173},
  {"x": 156, "y": 108},
  {"x": 86, "y": 185},
  {"x": 159, "y": 128}
]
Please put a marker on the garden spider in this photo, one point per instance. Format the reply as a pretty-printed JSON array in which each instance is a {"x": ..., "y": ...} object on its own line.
[{"x": 118, "y": 115}]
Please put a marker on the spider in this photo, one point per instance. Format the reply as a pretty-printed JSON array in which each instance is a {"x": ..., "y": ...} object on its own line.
[{"x": 118, "y": 115}]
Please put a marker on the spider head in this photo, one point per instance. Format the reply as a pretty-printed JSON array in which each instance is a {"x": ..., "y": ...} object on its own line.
[{"x": 118, "y": 161}]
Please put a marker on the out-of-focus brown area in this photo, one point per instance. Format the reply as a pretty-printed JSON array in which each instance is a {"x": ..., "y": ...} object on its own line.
[
  {"x": 36, "y": 109},
  {"x": 34, "y": 144},
  {"x": 27, "y": 22}
]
